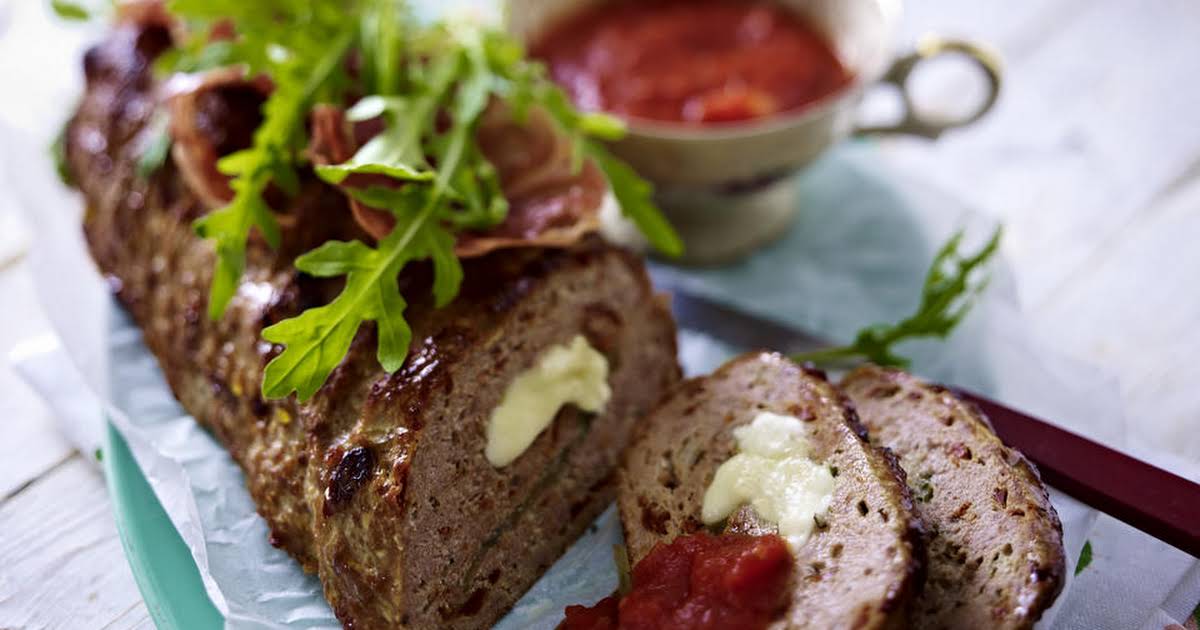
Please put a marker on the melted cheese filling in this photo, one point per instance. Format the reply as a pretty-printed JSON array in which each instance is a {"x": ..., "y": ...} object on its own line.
[
  {"x": 573, "y": 373},
  {"x": 773, "y": 473}
]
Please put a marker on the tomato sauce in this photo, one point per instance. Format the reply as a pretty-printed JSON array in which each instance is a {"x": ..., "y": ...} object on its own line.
[
  {"x": 690, "y": 61},
  {"x": 699, "y": 582}
]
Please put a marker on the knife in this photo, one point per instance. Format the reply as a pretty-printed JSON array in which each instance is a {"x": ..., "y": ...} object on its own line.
[{"x": 1159, "y": 503}]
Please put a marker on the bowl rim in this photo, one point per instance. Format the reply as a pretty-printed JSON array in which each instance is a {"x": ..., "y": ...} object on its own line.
[{"x": 890, "y": 12}]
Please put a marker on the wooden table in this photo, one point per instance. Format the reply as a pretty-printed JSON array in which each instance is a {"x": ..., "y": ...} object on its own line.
[{"x": 1091, "y": 159}]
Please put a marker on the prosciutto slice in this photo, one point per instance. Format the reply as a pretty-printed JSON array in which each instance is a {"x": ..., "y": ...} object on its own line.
[
  {"x": 212, "y": 114},
  {"x": 552, "y": 202}
]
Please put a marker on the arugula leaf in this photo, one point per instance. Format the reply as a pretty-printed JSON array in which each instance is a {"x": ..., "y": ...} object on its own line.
[
  {"x": 597, "y": 125},
  {"x": 951, "y": 287},
  {"x": 317, "y": 340},
  {"x": 297, "y": 84},
  {"x": 58, "y": 152},
  {"x": 68, "y": 10},
  {"x": 1085, "y": 557},
  {"x": 447, "y": 269},
  {"x": 157, "y": 146},
  {"x": 624, "y": 573},
  {"x": 397, "y": 152},
  {"x": 635, "y": 196},
  {"x": 384, "y": 31},
  {"x": 195, "y": 55}
]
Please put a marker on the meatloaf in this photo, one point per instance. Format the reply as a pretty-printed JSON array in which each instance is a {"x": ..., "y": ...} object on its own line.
[
  {"x": 862, "y": 563},
  {"x": 379, "y": 483},
  {"x": 995, "y": 549}
]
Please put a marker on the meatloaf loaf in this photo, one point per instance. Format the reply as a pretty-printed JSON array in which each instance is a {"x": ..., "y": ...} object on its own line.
[
  {"x": 862, "y": 563},
  {"x": 379, "y": 483}
]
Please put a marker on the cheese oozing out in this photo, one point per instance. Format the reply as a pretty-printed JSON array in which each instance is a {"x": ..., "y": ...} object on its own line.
[
  {"x": 773, "y": 473},
  {"x": 573, "y": 373}
]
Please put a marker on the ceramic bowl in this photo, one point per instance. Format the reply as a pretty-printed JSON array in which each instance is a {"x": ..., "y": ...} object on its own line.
[{"x": 725, "y": 187}]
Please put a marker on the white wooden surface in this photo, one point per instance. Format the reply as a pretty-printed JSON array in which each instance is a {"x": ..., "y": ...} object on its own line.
[{"x": 1092, "y": 160}]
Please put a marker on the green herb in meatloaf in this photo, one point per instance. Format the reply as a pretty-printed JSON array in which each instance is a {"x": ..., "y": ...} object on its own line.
[{"x": 430, "y": 84}]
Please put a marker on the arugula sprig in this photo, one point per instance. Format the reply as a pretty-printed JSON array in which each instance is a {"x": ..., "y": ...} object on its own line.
[
  {"x": 156, "y": 147},
  {"x": 636, "y": 198},
  {"x": 301, "y": 46},
  {"x": 952, "y": 285},
  {"x": 1085, "y": 559},
  {"x": 317, "y": 340},
  {"x": 450, "y": 72}
]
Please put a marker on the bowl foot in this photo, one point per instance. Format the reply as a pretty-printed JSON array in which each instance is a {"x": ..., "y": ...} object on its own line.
[{"x": 720, "y": 227}]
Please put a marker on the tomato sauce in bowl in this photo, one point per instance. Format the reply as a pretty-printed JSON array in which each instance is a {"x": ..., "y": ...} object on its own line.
[{"x": 691, "y": 61}]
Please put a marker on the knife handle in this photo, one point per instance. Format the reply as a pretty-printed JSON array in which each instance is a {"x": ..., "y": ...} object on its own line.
[{"x": 1149, "y": 498}]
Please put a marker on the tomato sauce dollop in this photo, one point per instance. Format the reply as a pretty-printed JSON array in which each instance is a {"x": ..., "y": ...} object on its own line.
[
  {"x": 690, "y": 61},
  {"x": 699, "y": 582}
]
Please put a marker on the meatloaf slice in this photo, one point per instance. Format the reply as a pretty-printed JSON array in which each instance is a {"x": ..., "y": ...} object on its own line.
[
  {"x": 861, "y": 565},
  {"x": 995, "y": 549},
  {"x": 380, "y": 483}
]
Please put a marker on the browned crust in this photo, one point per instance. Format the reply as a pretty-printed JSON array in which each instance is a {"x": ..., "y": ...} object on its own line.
[
  {"x": 681, "y": 442},
  {"x": 931, "y": 429},
  {"x": 348, "y": 482}
]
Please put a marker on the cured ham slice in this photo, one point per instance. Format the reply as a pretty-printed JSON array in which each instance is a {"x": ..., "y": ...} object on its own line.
[
  {"x": 553, "y": 201},
  {"x": 212, "y": 115}
]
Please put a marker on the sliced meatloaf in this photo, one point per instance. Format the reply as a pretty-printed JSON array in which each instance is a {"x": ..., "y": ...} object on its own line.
[
  {"x": 995, "y": 550},
  {"x": 379, "y": 483},
  {"x": 861, "y": 565}
]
